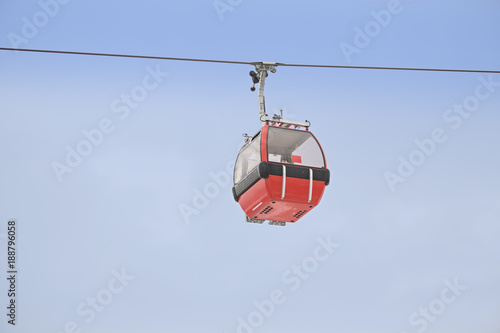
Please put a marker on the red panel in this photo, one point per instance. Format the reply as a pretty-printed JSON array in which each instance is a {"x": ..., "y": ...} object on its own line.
[
  {"x": 263, "y": 200},
  {"x": 254, "y": 196},
  {"x": 296, "y": 159}
]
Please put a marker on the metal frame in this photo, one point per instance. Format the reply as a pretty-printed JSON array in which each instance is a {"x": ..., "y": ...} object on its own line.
[
  {"x": 283, "y": 187},
  {"x": 250, "y": 220},
  {"x": 281, "y": 224},
  {"x": 276, "y": 120},
  {"x": 310, "y": 185}
]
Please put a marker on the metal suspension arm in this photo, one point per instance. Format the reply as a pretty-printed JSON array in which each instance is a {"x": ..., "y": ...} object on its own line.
[
  {"x": 259, "y": 76},
  {"x": 262, "y": 99}
]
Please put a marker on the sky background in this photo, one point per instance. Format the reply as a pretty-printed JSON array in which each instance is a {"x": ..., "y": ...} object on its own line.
[{"x": 120, "y": 210}]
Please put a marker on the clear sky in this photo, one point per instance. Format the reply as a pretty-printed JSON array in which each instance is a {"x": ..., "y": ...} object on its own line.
[{"x": 116, "y": 169}]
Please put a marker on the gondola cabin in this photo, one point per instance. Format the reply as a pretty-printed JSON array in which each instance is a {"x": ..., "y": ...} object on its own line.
[{"x": 280, "y": 175}]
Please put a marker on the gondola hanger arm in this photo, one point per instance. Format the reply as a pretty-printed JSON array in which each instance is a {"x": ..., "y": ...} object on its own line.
[{"x": 259, "y": 77}]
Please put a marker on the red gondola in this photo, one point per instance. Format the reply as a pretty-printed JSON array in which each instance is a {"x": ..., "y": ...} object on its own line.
[{"x": 280, "y": 173}]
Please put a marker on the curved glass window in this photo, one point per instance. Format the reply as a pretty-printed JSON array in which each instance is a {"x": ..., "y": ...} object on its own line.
[
  {"x": 248, "y": 159},
  {"x": 294, "y": 147}
]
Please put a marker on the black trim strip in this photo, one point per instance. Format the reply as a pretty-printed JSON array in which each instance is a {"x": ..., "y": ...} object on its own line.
[
  {"x": 299, "y": 172},
  {"x": 265, "y": 169}
]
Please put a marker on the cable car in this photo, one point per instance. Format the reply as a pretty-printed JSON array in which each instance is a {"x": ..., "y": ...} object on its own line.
[{"x": 280, "y": 173}]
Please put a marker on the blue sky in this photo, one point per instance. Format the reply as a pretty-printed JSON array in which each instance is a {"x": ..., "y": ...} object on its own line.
[{"x": 107, "y": 247}]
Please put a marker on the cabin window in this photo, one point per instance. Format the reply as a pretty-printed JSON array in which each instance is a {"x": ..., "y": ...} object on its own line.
[
  {"x": 294, "y": 147},
  {"x": 248, "y": 159}
]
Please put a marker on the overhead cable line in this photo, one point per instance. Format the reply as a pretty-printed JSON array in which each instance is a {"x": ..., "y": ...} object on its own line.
[
  {"x": 253, "y": 63},
  {"x": 125, "y": 56}
]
